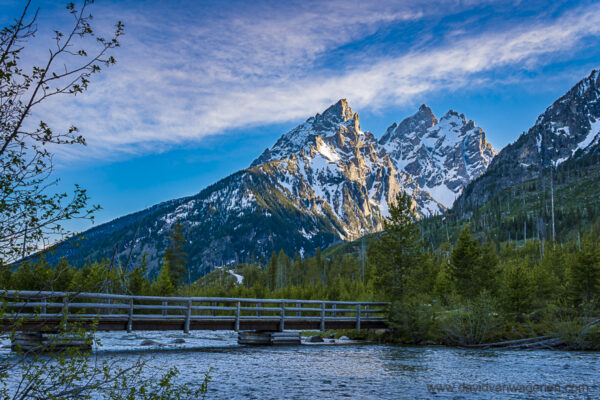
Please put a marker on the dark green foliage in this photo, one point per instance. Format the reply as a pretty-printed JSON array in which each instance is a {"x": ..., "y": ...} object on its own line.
[
  {"x": 517, "y": 288},
  {"x": 175, "y": 255},
  {"x": 414, "y": 320},
  {"x": 472, "y": 266},
  {"x": 138, "y": 283},
  {"x": 584, "y": 272},
  {"x": 397, "y": 250},
  {"x": 163, "y": 286},
  {"x": 464, "y": 264},
  {"x": 524, "y": 211},
  {"x": 470, "y": 322},
  {"x": 461, "y": 293},
  {"x": 272, "y": 271}
]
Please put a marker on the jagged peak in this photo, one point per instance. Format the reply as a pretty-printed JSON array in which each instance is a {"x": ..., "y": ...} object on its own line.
[
  {"x": 340, "y": 109},
  {"x": 582, "y": 90},
  {"x": 419, "y": 121},
  {"x": 590, "y": 81},
  {"x": 453, "y": 114},
  {"x": 425, "y": 108}
]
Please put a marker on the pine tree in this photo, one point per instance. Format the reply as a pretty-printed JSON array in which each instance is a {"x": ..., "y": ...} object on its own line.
[
  {"x": 282, "y": 266},
  {"x": 163, "y": 286},
  {"x": 176, "y": 256},
  {"x": 272, "y": 271},
  {"x": 464, "y": 264},
  {"x": 517, "y": 288},
  {"x": 487, "y": 273},
  {"x": 138, "y": 283},
  {"x": 584, "y": 272},
  {"x": 397, "y": 250}
]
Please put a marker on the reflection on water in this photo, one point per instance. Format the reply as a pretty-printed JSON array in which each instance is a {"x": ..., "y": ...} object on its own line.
[{"x": 358, "y": 371}]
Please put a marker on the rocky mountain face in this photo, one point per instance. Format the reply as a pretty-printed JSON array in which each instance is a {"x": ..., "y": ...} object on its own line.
[
  {"x": 442, "y": 156},
  {"x": 324, "y": 181},
  {"x": 332, "y": 163},
  {"x": 567, "y": 130}
]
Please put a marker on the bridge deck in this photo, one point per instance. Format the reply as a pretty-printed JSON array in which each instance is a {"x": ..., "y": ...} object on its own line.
[{"x": 105, "y": 312}]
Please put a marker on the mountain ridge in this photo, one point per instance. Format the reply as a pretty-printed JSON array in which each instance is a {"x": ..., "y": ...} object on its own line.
[
  {"x": 567, "y": 129},
  {"x": 442, "y": 155},
  {"x": 324, "y": 181}
]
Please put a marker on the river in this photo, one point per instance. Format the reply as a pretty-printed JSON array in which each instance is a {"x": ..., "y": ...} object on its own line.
[{"x": 362, "y": 371}]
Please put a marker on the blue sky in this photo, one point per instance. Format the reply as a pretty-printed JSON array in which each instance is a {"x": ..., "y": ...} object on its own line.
[{"x": 202, "y": 87}]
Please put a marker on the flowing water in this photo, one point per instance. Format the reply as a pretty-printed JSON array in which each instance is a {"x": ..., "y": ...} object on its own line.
[{"x": 362, "y": 371}]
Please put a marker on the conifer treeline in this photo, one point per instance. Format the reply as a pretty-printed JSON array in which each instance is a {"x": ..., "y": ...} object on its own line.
[{"x": 511, "y": 289}]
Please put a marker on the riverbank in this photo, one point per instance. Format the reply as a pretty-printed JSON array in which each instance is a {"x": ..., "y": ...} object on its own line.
[{"x": 572, "y": 340}]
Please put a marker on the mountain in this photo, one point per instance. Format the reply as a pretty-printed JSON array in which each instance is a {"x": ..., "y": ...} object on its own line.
[
  {"x": 441, "y": 156},
  {"x": 568, "y": 130},
  {"x": 323, "y": 182},
  {"x": 346, "y": 167}
]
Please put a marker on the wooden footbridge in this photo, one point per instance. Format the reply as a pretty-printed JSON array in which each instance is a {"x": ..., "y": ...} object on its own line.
[{"x": 38, "y": 311}]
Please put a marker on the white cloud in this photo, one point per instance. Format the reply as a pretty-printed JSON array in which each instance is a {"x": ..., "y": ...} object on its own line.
[{"x": 181, "y": 78}]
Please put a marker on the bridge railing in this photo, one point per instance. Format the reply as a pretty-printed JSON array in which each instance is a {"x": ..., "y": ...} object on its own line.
[{"x": 44, "y": 305}]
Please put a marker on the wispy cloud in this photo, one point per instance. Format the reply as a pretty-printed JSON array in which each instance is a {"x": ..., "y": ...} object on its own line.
[{"x": 183, "y": 76}]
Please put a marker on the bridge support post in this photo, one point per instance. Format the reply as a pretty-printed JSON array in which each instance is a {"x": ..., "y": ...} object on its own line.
[
  {"x": 237, "y": 317},
  {"x": 282, "y": 321},
  {"x": 358, "y": 317},
  {"x": 269, "y": 338},
  {"x": 48, "y": 342},
  {"x": 130, "y": 319},
  {"x": 322, "y": 317}
]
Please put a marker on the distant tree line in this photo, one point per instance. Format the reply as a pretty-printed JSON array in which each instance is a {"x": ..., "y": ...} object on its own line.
[{"x": 469, "y": 292}]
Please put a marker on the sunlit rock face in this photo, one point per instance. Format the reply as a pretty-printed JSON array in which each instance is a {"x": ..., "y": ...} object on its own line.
[
  {"x": 324, "y": 181},
  {"x": 442, "y": 156}
]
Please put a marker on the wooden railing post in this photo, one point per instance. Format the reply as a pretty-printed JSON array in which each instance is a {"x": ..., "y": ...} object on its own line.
[
  {"x": 367, "y": 311},
  {"x": 65, "y": 307},
  {"x": 130, "y": 319},
  {"x": 44, "y": 308},
  {"x": 164, "y": 311},
  {"x": 258, "y": 312},
  {"x": 358, "y": 317},
  {"x": 214, "y": 312},
  {"x": 323, "y": 317},
  {"x": 65, "y": 311},
  {"x": 237, "y": 317},
  {"x": 334, "y": 312},
  {"x": 282, "y": 321},
  {"x": 188, "y": 317},
  {"x": 299, "y": 312}
]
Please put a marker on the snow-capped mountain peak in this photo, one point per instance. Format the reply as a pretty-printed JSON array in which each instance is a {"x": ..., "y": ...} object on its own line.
[
  {"x": 415, "y": 126},
  {"x": 571, "y": 124},
  {"x": 325, "y": 180},
  {"x": 330, "y": 166},
  {"x": 324, "y": 124},
  {"x": 339, "y": 111},
  {"x": 443, "y": 155},
  {"x": 569, "y": 129}
]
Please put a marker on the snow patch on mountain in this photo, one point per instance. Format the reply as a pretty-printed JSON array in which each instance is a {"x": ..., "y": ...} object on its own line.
[
  {"x": 589, "y": 138},
  {"x": 443, "y": 155}
]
